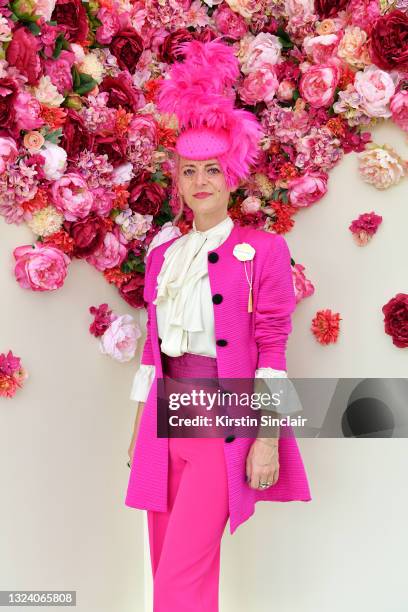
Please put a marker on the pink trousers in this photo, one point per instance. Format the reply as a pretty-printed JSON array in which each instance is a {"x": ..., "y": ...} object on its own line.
[{"x": 185, "y": 541}]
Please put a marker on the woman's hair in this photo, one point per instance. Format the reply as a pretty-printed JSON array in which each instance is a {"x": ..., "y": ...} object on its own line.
[{"x": 176, "y": 201}]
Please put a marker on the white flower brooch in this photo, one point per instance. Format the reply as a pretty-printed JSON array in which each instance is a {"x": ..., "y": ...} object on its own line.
[{"x": 245, "y": 252}]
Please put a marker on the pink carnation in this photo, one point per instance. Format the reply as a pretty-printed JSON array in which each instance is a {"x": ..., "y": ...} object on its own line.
[
  {"x": 229, "y": 22},
  {"x": 103, "y": 317},
  {"x": 110, "y": 25},
  {"x": 72, "y": 197},
  {"x": 399, "y": 109},
  {"x": 326, "y": 326},
  {"x": 8, "y": 152},
  {"x": 111, "y": 253},
  {"x": 59, "y": 71},
  {"x": 39, "y": 267},
  {"x": 307, "y": 189},
  {"x": 318, "y": 85},
  {"x": 303, "y": 287}
]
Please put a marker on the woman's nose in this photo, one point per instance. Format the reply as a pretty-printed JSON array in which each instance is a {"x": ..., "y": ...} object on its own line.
[{"x": 201, "y": 178}]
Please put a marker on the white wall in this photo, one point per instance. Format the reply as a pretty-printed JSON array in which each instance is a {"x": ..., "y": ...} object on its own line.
[{"x": 64, "y": 438}]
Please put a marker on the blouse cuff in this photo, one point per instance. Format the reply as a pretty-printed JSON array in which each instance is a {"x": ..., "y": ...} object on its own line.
[
  {"x": 270, "y": 373},
  {"x": 266, "y": 373},
  {"x": 142, "y": 382}
]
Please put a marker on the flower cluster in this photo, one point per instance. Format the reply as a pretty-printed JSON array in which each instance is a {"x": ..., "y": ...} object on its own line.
[
  {"x": 12, "y": 374},
  {"x": 86, "y": 160},
  {"x": 117, "y": 335},
  {"x": 364, "y": 228}
]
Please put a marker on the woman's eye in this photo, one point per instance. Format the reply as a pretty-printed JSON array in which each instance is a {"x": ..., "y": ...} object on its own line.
[
  {"x": 186, "y": 172},
  {"x": 215, "y": 170}
]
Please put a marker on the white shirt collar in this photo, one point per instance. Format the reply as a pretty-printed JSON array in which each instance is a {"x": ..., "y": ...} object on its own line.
[{"x": 222, "y": 227}]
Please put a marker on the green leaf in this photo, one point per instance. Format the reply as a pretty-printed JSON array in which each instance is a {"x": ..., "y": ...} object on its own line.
[
  {"x": 85, "y": 88},
  {"x": 34, "y": 28}
]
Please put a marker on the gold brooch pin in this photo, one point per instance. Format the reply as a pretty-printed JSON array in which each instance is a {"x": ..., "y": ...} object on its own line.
[{"x": 245, "y": 252}]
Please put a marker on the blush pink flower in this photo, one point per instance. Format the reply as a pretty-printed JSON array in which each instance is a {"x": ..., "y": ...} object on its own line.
[
  {"x": 251, "y": 205},
  {"x": 302, "y": 285},
  {"x": 111, "y": 253},
  {"x": 120, "y": 339},
  {"x": 40, "y": 268},
  {"x": 318, "y": 85},
  {"x": 229, "y": 22},
  {"x": 260, "y": 85},
  {"x": 308, "y": 188},
  {"x": 399, "y": 109},
  {"x": 28, "y": 112},
  {"x": 72, "y": 197},
  {"x": 376, "y": 88},
  {"x": 110, "y": 25},
  {"x": 326, "y": 326}
]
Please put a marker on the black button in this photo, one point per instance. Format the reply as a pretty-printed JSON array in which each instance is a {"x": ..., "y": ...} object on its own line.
[
  {"x": 222, "y": 342},
  {"x": 229, "y": 438},
  {"x": 217, "y": 298},
  {"x": 213, "y": 257}
]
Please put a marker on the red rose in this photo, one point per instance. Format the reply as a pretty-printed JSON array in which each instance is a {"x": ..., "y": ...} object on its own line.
[
  {"x": 132, "y": 291},
  {"x": 396, "y": 319},
  {"x": 88, "y": 235},
  {"x": 71, "y": 16},
  {"x": 206, "y": 35},
  {"x": 75, "y": 136},
  {"x": 389, "y": 41},
  {"x": 127, "y": 47},
  {"x": 329, "y": 8},
  {"x": 168, "y": 49},
  {"x": 121, "y": 92},
  {"x": 146, "y": 197},
  {"x": 22, "y": 53},
  {"x": 8, "y": 94},
  {"x": 113, "y": 146}
]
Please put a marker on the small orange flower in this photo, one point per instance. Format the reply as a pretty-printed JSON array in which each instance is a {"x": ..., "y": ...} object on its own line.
[
  {"x": 326, "y": 326},
  {"x": 33, "y": 141},
  {"x": 116, "y": 277},
  {"x": 54, "y": 117}
]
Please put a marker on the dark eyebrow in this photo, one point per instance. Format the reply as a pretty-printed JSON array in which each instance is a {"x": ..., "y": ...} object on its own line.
[{"x": 206, "y": 165}]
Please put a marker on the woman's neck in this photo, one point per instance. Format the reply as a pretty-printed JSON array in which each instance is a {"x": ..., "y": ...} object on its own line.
[{"x": 202, "y": 223}]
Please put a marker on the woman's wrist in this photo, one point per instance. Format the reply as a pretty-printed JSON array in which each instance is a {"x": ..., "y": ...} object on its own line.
[{"x": 269, "y": 441}]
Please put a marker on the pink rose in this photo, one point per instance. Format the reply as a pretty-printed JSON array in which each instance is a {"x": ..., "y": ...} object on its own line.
[
  {"x": 110, "y": 26},
  {"x": 72, "y": 197},
  {"x": 111, "y": 253},
  {"x": 285, "y": 90},
  {"x": 303, "y": 287},
  {"x": 27, "y": 111},
  {"x": 399, "y": 109},
  {"x": 230, "y": 23},
  {"x": 39, "y": 267},
  {"x": 8, "y": 152},
  {"x": 22, "y": 52},
  {"x": 59, "y": 71},
  {"x": 321, "y": 48},
  {"x": 376, "y": 87},
  {"x": 307, "y": 189},
  {"x": 120, "y": 339},
  {"x": 318, "y": 84},
  {"x": 251, "y": 205},
  {"x": 260, "y": 85}
]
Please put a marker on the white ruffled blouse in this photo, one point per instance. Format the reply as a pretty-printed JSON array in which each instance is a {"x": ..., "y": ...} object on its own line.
[{"x": 185, "y": 316}]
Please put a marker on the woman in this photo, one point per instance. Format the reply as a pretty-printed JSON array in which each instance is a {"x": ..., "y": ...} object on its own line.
[{"x": 220, "y": 300}]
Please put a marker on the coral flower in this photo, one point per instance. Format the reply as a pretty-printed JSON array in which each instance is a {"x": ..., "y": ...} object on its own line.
[{"x": 326, "y": 326}]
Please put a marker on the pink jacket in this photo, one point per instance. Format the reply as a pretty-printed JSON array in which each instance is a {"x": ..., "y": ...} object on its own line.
[{"x": 245, "y": 341}]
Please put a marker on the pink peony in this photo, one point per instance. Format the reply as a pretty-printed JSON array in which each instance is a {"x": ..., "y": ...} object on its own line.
[
  {"x": 27, "y": 112},
  {"x": 260, "y": 85},
  {"x": 376, "y": 87},
  {"x": 303, "y": 287},
  {"x": 111, "y": 253},
  {"x": 72, "y": 197},
  {"x": 399, "y": 109},
  {"x": 321, "y": 48},
  {"x": 229, "y": 22},
  {"x": 40, "y": 268},
  {"x": 318, "y": 85},
  {"x": 120, "y": 339},
  {"x": 8, "y": 152},
  {"x": 22, "y": 52},
  {"x": 307, "y": 189}
]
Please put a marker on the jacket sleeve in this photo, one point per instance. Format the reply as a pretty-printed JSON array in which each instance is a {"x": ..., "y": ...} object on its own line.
[
  {"x": 275, "y": 304},
  {"x": 147, "y": 355}
]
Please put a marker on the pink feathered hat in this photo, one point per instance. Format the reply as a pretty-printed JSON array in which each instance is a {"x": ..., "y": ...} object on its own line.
[{"x": 199, "y": 91}]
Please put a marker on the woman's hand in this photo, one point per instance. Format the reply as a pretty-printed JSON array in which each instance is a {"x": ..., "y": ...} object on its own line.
[{"x": 262, "y": 463}]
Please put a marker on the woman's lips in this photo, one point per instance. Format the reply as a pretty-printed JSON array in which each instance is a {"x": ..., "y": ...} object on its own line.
[{"x": 202, "y": 195}]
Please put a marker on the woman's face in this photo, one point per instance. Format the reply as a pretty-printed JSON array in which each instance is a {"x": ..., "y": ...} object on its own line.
[{"x": 197, "y": 178}]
